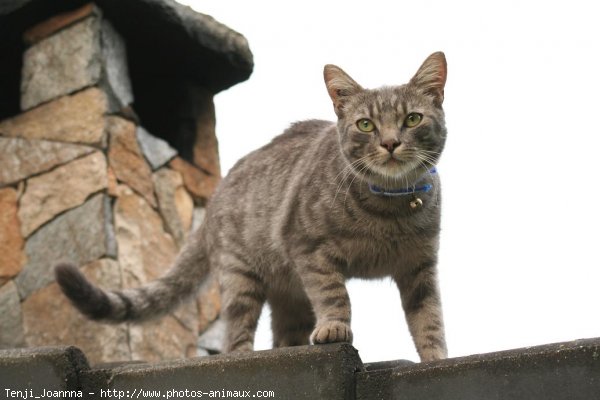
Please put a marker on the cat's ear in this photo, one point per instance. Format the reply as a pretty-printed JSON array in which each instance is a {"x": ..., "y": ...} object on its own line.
[
  {"x": 340, "y": 86},
  {"x": 431, "y": 77}
]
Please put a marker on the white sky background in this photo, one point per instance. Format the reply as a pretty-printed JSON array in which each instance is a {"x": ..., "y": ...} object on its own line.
[{"x": 519, "y": 262}]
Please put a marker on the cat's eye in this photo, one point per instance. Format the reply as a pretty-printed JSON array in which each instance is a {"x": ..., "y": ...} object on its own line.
[
  {"x": 365, "y": 125},
  {"x": 412, "y": 120}
]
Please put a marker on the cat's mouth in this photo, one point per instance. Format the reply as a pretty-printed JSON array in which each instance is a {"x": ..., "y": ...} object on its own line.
[
  {"x": 393, "y": 166},
  {"x": 394, "y": 160},
  {"x": 380, "y": 167}
]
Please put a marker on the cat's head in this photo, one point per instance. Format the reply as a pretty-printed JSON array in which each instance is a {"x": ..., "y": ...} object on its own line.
[{"x": 392, "y": 134}]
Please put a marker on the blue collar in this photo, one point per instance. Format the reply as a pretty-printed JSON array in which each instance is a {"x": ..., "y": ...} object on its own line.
[{"x": 402, "y": 191}]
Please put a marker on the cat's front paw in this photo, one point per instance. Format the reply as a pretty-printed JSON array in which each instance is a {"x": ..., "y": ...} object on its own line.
[{"x": 331, "y": 332}]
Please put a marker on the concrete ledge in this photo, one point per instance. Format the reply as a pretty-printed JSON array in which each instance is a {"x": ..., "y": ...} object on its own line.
[
  {"x": 565, "y": 371},
  {"x": 42, "y": 368},
  {"x": 306, "y": 372}
]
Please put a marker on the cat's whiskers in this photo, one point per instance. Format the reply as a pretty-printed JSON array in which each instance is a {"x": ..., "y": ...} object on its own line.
[
  {"x": 348, "y": 171},
  {"x": 365, "y": 167},
  {"x": 427, "y": 159},
  {"x": 371, "y": 161},
  {"x": 349, "y": 166},
  {"x": 417, "y": 160},
  {"x": 437, "y": 153},
  {"x": 427, "y": 163},
  {"x": 423, "y": 164},
  {"x": 428, "y": 155},
  {"x": 416, "y": 174},
  {"x": 432, "y": 158}
]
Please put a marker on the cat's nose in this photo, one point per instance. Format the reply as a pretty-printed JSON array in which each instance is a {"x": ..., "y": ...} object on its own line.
[{"x": 390, "y": 144}]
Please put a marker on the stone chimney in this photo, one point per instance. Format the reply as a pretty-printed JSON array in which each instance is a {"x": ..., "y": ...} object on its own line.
[{"x": 104, "y": 168}]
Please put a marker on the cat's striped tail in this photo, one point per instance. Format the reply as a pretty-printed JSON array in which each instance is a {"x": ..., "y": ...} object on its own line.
[{"x": 152, "y": 300}]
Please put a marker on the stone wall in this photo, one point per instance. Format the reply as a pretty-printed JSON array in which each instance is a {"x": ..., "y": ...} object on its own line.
[{"x": 81, "y": 180}]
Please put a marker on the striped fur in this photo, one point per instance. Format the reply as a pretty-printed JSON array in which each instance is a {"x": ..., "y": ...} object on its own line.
[{"x": 293, "y": 220}]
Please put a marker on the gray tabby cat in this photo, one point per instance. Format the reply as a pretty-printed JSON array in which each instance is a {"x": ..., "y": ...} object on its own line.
[{"x": 318, "y": 205}]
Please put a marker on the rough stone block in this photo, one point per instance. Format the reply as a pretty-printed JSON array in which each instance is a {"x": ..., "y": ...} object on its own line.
[
  {"x": 86, "y": 54},
  {"x": 63, "y": 188},
  {"x": 564, "y": 371},
  {"x": 109, "y": 228},
  {"x": 198, "y": 183},
  {"x": 206, "y": 145},
  {"x": 146, "y": 252},
  {"x": 162, "y": 339},
  {"x": 12, "y": 255},
  {"x": 126, "y": 159},
  {"x": 41, "y": 370},
  {"x": 79, "y": 236},
  {"x": 11, "y": 334},
  {"x": 113, "y": 184},
  {"x": 66, "y": 62},
  {"x": 157, "y": 151},
  {"x": 49, "y": 319},
  {"x": 22, "y": 158},
  {"x": 75, "y": 118},
  {"x": 115, "y": 77},
  {"x": 306, "y": 372},
  {"x": 174, "y": 202}
]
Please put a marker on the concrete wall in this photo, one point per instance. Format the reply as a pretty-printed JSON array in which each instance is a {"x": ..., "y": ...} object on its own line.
[{"x": 552, "y": 372}]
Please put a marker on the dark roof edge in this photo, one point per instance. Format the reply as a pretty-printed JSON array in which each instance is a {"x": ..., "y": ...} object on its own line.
[
  {"x": 190, "y": 44},
  {"x": 210, "y": 31}
]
